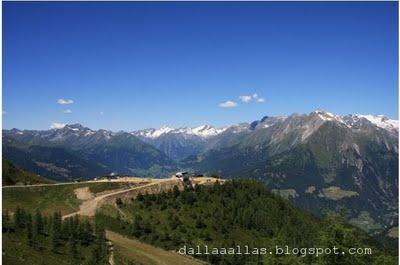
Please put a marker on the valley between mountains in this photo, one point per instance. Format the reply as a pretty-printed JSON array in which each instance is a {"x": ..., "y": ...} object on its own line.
[{"x": 320, "y": 161}]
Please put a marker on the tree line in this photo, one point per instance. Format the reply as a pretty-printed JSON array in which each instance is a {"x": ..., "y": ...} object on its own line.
[{"x": 79, "y": 241}]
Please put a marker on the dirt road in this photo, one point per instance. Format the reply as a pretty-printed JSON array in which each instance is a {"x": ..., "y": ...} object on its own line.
[
  {"x": 123, "y": 179},
  {"x": 89, "y": 206}
]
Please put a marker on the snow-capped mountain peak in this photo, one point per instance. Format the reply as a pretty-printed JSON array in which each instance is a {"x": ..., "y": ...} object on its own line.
[
  {"x": 163, "y": 130},
  {"x": 203, "y": 131},
  {"x": 152, "y": 133},
  {"x": 379, "y": 120},
  {"x": 327, "y": 116},
  {"x": 352, "y": 120}
]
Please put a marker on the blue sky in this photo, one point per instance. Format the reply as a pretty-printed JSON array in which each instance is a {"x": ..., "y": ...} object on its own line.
[{"x": 125, "y": 66}]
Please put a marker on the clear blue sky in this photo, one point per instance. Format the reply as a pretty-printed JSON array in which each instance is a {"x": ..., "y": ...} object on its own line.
[{"x": 149, "y": 64}]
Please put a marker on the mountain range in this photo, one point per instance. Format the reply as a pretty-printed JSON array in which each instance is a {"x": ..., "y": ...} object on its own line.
[
  {"x": 321, "y": 161},
  {"x": 76, "y": 151}
]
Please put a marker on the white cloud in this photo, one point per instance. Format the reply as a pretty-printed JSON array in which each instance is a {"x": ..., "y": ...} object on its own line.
[
  {"x": 257, "y": 98},
  {"x": 62, "y": 101},
  {"x": 101, "y": 113},
  {"x": 245, "y": 99},
  {"x": 57, "y": 125},
  {"x": 228, "y": 104},
  {"x": 67, "y": 111}
]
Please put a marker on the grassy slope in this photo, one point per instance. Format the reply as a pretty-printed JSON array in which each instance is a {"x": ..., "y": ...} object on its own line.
[
  {"x": 48, "y": 199},
  {"x": 138, "y": 252},
  {"x": 15, "y": 176},
  {"x": 104, "y": 186},
  {"x": 244, "y": 213}
]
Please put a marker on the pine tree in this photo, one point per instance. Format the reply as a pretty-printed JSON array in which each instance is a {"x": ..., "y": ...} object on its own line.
[
  {"x": 75, "y": 226},
  {"x": 137, "y": 230},
  {"x": 140, "y": 197},
  {"x": 73, "y": 251},
  {"x": 119, "y": 202},
  {"x": 29, "y": 232},
  {"x": 85, "y": 232},
  {"x": 19, "y": 218},
  {"x": 100, "y": 252},
  {"x": 56, "y": 231},
  {"x": 6, "y": 221},
  {"x": 95, "y": 257},
  {"x": 175, "y": 191},
  {"x": 39, "y": 224}
]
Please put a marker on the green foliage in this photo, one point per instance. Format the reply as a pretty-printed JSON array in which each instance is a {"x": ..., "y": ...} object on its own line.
[
  {"x": 55, "y": 231},
  {"x": 119, "y": 202},
  {"x": 99, "y": 253},
  {"x": 104, "y": 186},
  {"x": 51, "y": 240},
  {"x": 238, "y": 213}
]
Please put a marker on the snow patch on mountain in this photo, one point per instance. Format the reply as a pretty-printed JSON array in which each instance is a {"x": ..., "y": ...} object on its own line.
[
  {"x": 327, "y": 116},
  {"x": 153, "y": 133},
  {"x": 352, "y": 119},
  {"x": 203, "y": 131},
  {"x": 381, "y": 121}
]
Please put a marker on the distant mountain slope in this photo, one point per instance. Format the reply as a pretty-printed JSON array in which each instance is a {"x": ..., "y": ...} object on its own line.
[
  {"x": 182, "y": 142},
  {"x": 55, "y": 163},
  {"x": 78, "y": 152},
  {"x": 320, "y": 161},
  {"x": 14, "y": 176}
]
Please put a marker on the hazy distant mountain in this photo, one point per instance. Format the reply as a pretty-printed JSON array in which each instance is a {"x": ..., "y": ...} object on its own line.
[
  {"x": 182, "y": 142},
  {"x": 79, "y": 152}
]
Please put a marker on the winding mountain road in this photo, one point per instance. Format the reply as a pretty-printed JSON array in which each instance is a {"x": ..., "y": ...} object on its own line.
[{"x": 89, "y": 207}]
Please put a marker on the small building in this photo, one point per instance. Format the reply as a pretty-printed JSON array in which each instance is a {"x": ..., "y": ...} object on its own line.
[{"x": 184, "y": 175}]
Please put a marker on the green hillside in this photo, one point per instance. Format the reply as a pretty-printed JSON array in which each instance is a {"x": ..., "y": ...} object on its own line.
[
  {"x": 334, "y": 157},
  {"x": 15, "y": 176},
  {"x": 239, "y": 213},
  {"x": 52, "y": 198}
]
